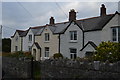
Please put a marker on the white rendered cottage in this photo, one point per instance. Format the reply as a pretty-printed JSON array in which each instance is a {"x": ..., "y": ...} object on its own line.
[
  {"x": 79, "y": 38},
  {"x": 16, "y": 40},
  {"x": 74, "y": 38},
  {"x": 23, "y": 40}
]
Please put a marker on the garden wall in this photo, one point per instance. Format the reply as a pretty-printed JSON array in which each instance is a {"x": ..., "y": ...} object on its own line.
[
  {"x": 62, "y": 68},
  {"x": 77, "y": 69},
  {"x": 16, "y": 67}
]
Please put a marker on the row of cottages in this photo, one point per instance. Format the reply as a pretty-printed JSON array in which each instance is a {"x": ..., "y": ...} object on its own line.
[{"x": 74, "y": 38}]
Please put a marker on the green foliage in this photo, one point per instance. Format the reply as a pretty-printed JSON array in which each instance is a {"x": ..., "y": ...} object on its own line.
[
  {"x": 107, "y": 51},
  {"x": 6, "y": 45},
  {"x": 19, "y": 54},
  {"x": 57, "y": 55}
]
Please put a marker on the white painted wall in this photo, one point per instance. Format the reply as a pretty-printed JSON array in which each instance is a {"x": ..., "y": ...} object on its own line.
[
  {"x": 106, "y": 33},
  {"x": 15, "y": 43},
  {"x": 26, "y": 41},
  {"x": 65, "y": 43},
  {"x": 94, "y": 36},
  {"x": 37, "y": 52},
  {"x": 52, "y": 44},
  {"x": 88, "y": 48}
]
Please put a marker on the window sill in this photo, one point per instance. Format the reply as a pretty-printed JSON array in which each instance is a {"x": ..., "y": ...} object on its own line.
[
  {"x": 29, "y": 41},
  {"x": 46, "y": 41},
  {"x": 46, "y": 57},
  {"x": 73, "y": 41}
]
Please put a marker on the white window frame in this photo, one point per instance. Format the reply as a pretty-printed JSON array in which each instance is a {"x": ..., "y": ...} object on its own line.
[
  {"x": 47, "y": 51},
  {"x": 117, "y": 34},
  {"x": 47, "y": 37},
  {"x": 30, "y": 37},
  {"x": 72, "y": 36},
  {"x": 73, "y": 55}
]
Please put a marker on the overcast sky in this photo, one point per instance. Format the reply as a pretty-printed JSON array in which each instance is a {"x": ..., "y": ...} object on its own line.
[{"x": 22, "y": 15}]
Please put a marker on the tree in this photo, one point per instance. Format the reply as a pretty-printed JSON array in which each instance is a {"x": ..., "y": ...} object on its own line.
[{"x": 6, "y": 45}]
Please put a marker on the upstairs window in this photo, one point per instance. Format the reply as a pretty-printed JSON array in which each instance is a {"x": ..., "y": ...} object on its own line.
[
  {"x": 119, "y": 34},
  {"x": 114, "y": 34},
  {"x": 73, "y": 53},
  {"x": 30, "y": 38},
  {"x": 47, "y": 37},
  {"x": 73, "y": 35},
  {"x": 16, "y": 38},
  {"x": 46, "y": 51}
]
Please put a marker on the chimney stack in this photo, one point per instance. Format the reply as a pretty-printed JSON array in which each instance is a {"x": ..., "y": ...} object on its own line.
[
  {"x": 102, "y": 10},
  {"x": 72, "y": 15},
  {"x": 51, "y": 21}
]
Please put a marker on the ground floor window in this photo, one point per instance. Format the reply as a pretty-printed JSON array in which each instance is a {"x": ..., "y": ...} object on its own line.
[
  {"x": 88, "y": 53},
  {"x": 73, "y": 53},
  {"x": 29, "y": 48},
  {"x": 16, "y": 48},
  {"x": 46, "y": 51}
]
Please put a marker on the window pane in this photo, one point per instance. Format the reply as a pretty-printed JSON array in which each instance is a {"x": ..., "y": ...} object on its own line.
[
  {"x": 30, "y": 37},
  {"x": 72, "y": 50},
  {"x": 73, "y": 35},
  {"x": 46, "y": 36},
  {"x": 119, "y": 34},
  {"x": 73, "y": 53},
  {"x": 75, "y": 56},
  {"x": 46, "y": 51},
  {"x": 114, "y": 32}
]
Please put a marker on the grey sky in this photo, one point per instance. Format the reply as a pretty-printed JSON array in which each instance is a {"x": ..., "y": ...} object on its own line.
[{"x": 15, "y": 16}]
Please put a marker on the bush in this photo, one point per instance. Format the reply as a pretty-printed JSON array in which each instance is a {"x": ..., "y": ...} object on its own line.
[
  {"x": 19, "y": 54},
  {"x": 57, "y": 55},
  {"x": 108, "y": 51}
]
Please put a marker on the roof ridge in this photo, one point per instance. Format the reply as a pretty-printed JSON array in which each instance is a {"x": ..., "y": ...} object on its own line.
[{"x": 92, "y": 17}]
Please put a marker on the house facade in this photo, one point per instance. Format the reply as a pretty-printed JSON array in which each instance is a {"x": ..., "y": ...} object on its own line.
[
  {"x": 16, "y": 41},
  {"x": 74, "y": 38}
]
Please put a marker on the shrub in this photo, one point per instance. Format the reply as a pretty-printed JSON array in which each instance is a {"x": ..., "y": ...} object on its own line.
[
  {"x": 57, "y": 55},
  {"x": 19, "y": 54},
  {"x": 108, "y": 51}
]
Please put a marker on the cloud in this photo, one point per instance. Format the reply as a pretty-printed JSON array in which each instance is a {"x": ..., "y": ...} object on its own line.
[{"x": 15, "y": 16}]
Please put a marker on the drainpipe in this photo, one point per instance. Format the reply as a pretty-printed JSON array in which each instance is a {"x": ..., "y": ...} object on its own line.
[
  {"x": 83, "y": 38},
  {"x": 21, "y": 43},
  {"x": 59, "y": 44}
]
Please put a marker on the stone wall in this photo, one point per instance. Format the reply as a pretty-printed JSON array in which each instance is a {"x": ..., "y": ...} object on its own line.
[
  {"x": 62, "y": 68},
  {"x": 16, "y": 67},
  {"x": 77, "y": 69}
]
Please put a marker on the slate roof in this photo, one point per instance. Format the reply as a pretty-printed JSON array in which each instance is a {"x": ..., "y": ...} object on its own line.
[
  {"x": 20, "y": 33},
  {"x": 95, "y": 23},
  {"x": 91, "y": 43},
  {"x": 37, "y": 45},
  {"x": 88, "y": 24}
]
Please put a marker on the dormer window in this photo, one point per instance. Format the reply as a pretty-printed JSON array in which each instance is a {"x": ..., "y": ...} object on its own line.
[
  {"x": 116, "y": 34},
  {"x": 47, "y": 37},
  {"x": 30, "y": 37}
]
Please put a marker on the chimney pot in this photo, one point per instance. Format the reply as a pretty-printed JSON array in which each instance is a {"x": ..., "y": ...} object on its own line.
[
  {"x": 51, "y": 20},
  {"x": 102, "y": 10},
  {"x": 72, "y": 15}
]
